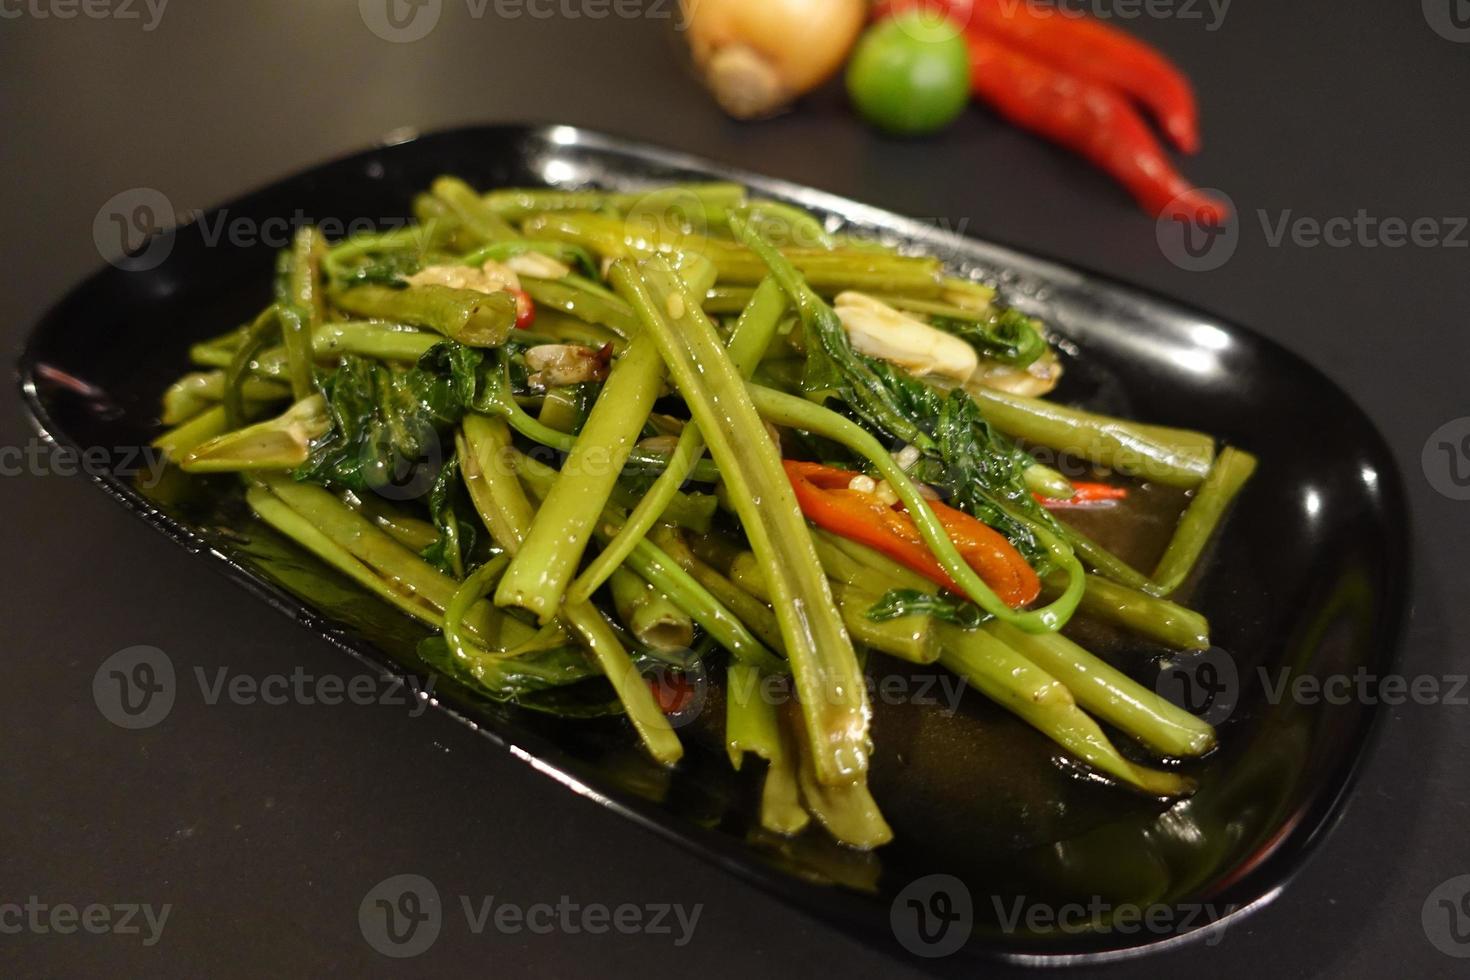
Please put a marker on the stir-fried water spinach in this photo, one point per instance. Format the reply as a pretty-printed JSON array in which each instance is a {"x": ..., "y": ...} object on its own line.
[{"x": 601, "y": 441}]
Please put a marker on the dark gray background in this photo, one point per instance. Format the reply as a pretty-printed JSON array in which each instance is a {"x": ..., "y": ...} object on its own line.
[{"x": 265, "y": 826}]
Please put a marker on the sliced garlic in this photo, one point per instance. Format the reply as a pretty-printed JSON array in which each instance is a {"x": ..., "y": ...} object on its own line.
[
  {"x": 1033, "y": 381},
  {"x": 492, "y": 277},
  {"x": 537, "y": 265},
  {"x": 878, "y": 330}
]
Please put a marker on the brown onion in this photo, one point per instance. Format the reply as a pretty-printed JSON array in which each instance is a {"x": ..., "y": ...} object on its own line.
[{"x": 758, "y": 55}]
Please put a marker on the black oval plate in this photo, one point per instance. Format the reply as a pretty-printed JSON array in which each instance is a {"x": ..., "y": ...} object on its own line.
[{"x": 1309, "y": 579}]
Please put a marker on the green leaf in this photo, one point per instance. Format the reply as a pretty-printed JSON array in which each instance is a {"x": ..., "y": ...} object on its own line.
[
  {"x": 389, "y": 423},
  {"x": 562, "y": 681},
  {"x": 897, "y": 603},
  {"x": 390, "y": 269},
  {"x": 1004, "y": 335},
  {"x": 454, "y": 516}
]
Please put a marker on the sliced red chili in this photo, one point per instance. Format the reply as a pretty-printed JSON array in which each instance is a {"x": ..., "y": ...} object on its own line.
[
  {"x": 525, "y": 309},
  {"x": 1086, "y": 495},
  {"x": 827, "y": 500}
]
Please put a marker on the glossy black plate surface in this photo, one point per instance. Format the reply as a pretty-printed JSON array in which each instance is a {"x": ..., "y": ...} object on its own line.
[{"x": 1309, "y": 578}]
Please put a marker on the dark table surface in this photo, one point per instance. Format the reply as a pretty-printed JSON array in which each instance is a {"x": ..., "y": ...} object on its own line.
[{"x": 263, "y": 827}]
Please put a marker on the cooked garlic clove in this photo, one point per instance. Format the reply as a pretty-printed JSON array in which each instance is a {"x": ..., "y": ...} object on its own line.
[{"x": 878, "y": 330}]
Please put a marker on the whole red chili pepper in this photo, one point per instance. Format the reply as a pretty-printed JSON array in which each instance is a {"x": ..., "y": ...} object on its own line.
[
  {"x": 1081, "y": 46},
  {"x": 1089, "y": 119}
]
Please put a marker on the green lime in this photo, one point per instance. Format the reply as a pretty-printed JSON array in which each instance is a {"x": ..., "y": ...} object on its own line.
[{"x": 909, "y": 78}]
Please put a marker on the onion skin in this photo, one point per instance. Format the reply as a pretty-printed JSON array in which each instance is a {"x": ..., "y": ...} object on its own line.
[{"x": 757, "y": 56}]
